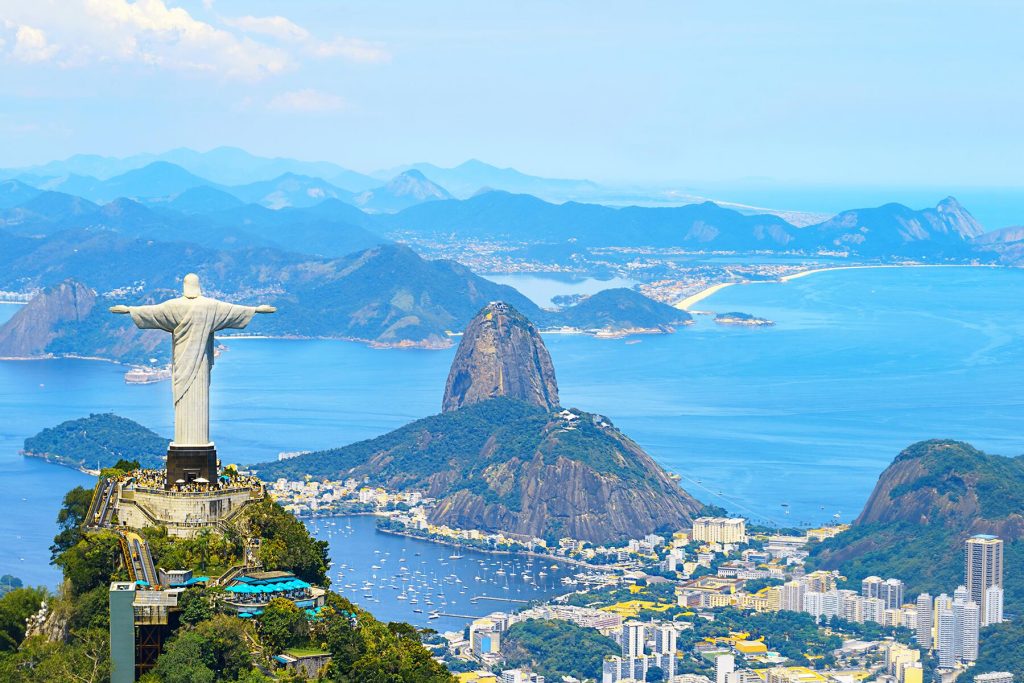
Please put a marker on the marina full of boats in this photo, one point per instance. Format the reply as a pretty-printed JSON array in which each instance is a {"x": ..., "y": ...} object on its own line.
[{"x": 430, "y": 584}]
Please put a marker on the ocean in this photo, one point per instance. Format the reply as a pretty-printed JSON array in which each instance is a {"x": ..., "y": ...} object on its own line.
[{"x": 790, "y": 424}]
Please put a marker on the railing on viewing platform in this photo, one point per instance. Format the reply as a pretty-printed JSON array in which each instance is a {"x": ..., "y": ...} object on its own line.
[{"x": 207, "y": 493}]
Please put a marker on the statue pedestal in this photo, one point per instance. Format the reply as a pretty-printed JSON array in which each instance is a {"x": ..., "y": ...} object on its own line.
[{"x": 189, "y": 463}]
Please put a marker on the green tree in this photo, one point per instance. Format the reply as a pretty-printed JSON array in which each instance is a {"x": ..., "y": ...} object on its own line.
[
  {"x": 91, "y": 562},
  {"x": 70, "y": 518},
  {"x": 282, "y": 625},
  {"x": 214, "y": 650},
  {"x": 185, "y": 660},
  {"x": 196, "y": 606},
  {"x": 655, "y": 675},
  {"x": 15, "y": 607}
]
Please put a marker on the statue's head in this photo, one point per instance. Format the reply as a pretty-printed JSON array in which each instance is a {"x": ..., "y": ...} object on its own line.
[{"x": 191, "y": 286}]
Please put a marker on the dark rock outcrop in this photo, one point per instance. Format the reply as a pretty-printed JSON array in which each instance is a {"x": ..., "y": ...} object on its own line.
[{"x": 501, "y": 354}]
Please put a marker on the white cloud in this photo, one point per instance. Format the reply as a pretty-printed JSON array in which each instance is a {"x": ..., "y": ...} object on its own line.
[
  {"x": 153, "y": 35},
  {"x": 275, "y": 27},
  {"x": 283, "y": 29},
  {"x": 307, "y": 101},
  {"x": 145, "y": 32},
  {"x": 354, "y": 50},
  {"x": 31, "y": 45}
]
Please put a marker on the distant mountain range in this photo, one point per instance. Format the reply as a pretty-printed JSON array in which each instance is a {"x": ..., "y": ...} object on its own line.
[
  {"x": 421, "y": 200},
  {"x": 473, "y": 176},
  {"x": 892, "y": 230},
  {"x": 385, "y": 295}
]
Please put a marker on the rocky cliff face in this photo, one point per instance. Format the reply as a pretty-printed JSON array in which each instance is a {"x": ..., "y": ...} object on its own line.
[
  {"x": 951, "y": 484},
  {"x": 501, "y": 354},
  {"x": 508, "y": 466},
  {"x": 556, "y": 490},
  {"x": 933, "y": 496},
  {"x": 69, "y": 319},
  {"x": 29, "y": 332}
]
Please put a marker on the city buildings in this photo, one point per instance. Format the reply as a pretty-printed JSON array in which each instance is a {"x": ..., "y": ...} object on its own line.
[
  {"x": 888, "y": 590},
  {"x": 634, "y": 662},
  {"x": 983, "y": 559},
  {"x": 719, "y": 530},
  {"x": 520, "y": 676},
  {"x": 994, "y": 677}
]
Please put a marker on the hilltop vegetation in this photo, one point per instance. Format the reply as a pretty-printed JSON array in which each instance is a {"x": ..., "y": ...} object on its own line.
[
  {"x": 925, "y": 505},
  {"x": 97, "y": 442},
  {"x": 556, "y": 648},
  {"x": 72, "y": 642},
  {"x": 506, "y": 465}
]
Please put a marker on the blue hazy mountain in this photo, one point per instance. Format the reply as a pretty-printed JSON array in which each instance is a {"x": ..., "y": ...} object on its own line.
[
  {"x": 406, "y": 189},
  {"x": 470, "y": 177},
  {"x": 222, "y": 165},
  {"x": 47, "y": 209},
  {"x": 331, "y": 229},
  {"x": 158, "y": 179},
  {"x": 502, "y": 215},
  {"x": 202, "y": 199},
  {"x": 289, "y": 189},
  {"x": 15, "y": 192},
  {"x": 895, "y": 229}
]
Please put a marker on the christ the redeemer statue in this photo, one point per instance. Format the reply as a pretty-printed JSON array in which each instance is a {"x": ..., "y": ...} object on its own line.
[{"x": 192, "y": 319}]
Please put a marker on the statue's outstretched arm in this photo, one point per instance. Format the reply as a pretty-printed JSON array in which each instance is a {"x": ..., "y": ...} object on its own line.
[
  {"x": 266, "y": 309},
  {"x": 153, "y": 317}
]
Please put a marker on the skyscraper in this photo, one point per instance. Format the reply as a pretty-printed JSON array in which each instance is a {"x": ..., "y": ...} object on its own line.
[
  {"x": 966, "y": 616},
  {"x": 793, "y": 596},
  {"x": 632, "y": 639},
  {"x": 665, "y": 640},
  {"x": 993, "y": 605},
  {"x": 925, "y": 621},
  {"x": 724, "y": 665},
  {"x": 983, "y": 567},
  {"x": 945, "y": 630}
]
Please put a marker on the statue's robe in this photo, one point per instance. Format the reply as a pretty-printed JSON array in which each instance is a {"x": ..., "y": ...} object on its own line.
[{"x": 192, "y": 323}]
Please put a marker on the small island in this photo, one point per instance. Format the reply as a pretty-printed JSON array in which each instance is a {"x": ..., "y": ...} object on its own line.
[
  {"x": 90, "y": 444},
  {"x": 735, "y": 318}
]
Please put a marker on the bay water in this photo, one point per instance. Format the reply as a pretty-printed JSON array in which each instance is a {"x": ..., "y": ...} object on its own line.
[{"x": 790, "y": 424}]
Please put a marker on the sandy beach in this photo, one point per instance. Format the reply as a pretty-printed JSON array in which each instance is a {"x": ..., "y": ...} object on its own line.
[{"x": 705, "y": 293}]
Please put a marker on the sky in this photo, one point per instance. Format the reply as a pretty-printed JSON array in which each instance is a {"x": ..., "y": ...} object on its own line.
[{"x": 866, "y": 92}]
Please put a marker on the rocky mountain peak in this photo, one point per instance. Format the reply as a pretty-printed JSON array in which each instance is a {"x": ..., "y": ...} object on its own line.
[{"x": 501, "y": 354}]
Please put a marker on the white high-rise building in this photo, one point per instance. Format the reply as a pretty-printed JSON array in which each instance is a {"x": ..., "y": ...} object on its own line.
[
  {"x": 890, "y": 591},
  {"x": 724, "y": 665},
  {"x": 665, "y": 639},
  {"x": 983, "y": 567},
  {"x": 719, "y": 530},
  {"x": 793, "y": 596},
  {"x": 633, "y": 634},
  {"x": 814, "y": 603},
  {"x": 967, "y": 621},
  {"x": 945, "y": 629},
  {"x": 873, "y": 610},
  {"x": 925, "y": 621},
  {"x": 993, "y": 610}
]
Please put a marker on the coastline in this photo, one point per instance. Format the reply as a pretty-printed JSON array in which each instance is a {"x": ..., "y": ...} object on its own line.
[
  {"x": 528, "y": 553},
  {"x": 689, "y": 301}
]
